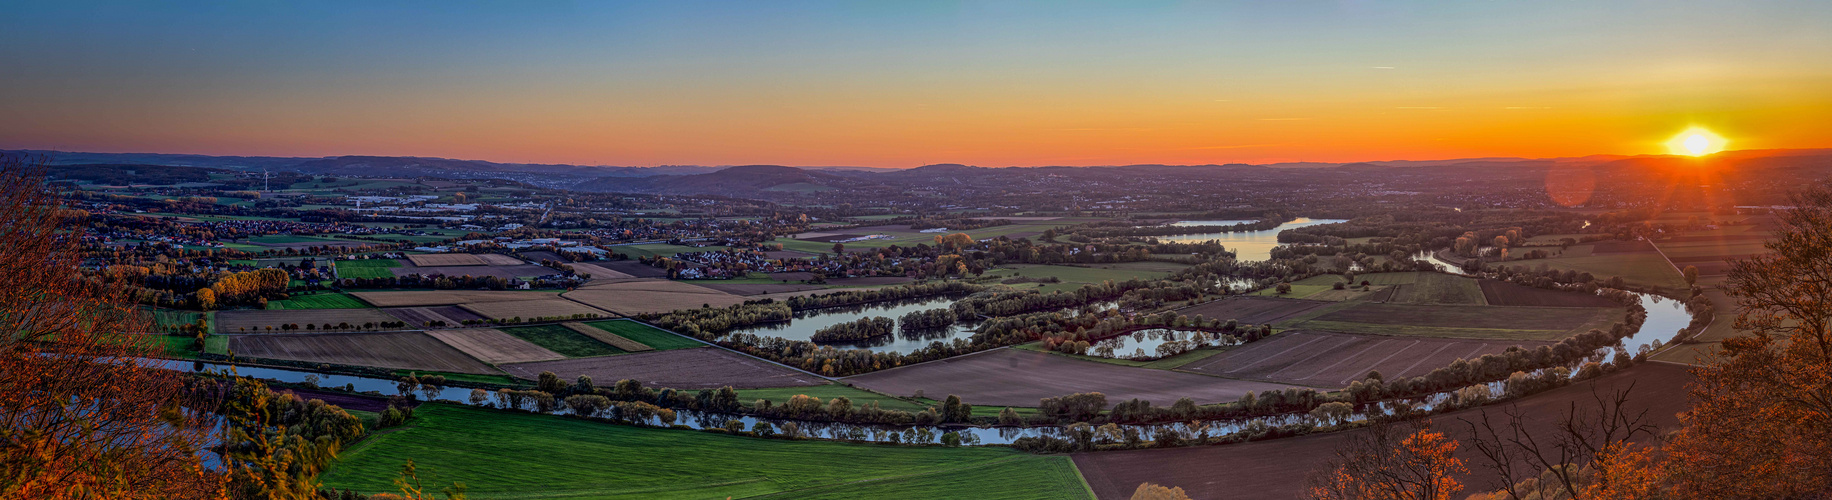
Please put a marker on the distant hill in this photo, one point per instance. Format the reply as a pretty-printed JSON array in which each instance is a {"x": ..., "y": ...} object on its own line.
[
  {"x": 741, "y": 181},
  {"x": 772, "y": 181}
]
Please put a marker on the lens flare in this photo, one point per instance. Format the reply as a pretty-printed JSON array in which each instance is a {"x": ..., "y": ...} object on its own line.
[{"x": 1696, "y": 142}]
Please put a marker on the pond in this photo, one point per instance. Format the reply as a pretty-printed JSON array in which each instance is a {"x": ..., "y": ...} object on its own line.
[
  {"x": 809, "y": 321},
  {"x": 1247, "y": 245},
  {"x": 1146, "y": 344}
]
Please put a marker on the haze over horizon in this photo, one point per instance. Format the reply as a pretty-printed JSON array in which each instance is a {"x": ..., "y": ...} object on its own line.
[{"x": 1007, "y": 84}]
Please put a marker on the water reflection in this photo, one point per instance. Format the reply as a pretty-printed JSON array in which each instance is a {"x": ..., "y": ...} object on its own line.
[
  {"x": 1153, "y": 343},
  {"x": 1247, "y": 245},
  {"x": 805, "y": 323}
]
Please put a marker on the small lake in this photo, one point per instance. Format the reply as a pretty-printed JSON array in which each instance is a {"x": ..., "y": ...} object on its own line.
[
  {"x": 807, "y": 322},
  {"x": 1144, "y": 344},
  {"x": 1247, "y": 245}
]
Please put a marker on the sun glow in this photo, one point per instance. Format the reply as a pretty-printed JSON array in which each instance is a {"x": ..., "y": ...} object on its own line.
[{"x": 1696, "y": 142}]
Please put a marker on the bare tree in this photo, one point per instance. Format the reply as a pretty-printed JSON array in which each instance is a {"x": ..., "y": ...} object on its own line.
[{"x": 1582, "y": 434}]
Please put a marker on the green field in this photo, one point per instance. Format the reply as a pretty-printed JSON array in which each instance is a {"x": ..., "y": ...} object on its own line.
[
  {"x": 827, "y": 392},
  {"x": 476, "y": 378},
  {"x": 658, "y": 249},
  {"x": 186, "y": 347},
  {"x": 1297, "y": 291},
  {"x": 1458, "y": 321},
  {"x": 555, "y": 457},
  {"x": 907, "y": 237},
  {"x": 281, "y": 239},
  {"x": 166, "y": 318},
  {"x": 563, "y": 340},
  {"x": 1638, "y": 268},
  {"x": 1440, "y": 288},
  {"x": 371, "y": 268},
  {"x": 318, "y": 301},
  {"x": 657, "y": 338}
]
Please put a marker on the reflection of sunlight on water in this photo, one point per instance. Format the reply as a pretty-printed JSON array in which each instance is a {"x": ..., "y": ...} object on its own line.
[{"x": 1246, "y": 245}]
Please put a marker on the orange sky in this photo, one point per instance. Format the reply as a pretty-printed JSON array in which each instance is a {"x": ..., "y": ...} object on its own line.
[{"x": 863, "y": 84}]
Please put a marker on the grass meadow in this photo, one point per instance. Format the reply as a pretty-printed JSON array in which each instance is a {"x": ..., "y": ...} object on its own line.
[
  {"x": 371, "y": 268},
  {"x": 564, "y": 340},
  {"x": 657, "y": 338},
  {"x": 561, "y": 457}
]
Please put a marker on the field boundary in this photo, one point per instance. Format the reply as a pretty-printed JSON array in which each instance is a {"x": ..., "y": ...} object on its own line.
[
  {"x": 613, "y": 339},
  {"x": 735, "y": 351}
]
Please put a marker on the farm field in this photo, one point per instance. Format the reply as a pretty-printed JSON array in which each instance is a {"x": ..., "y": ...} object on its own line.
[
  {"x": 631, "y": 298},
  {"x": 317, "y": 301},
  {"x": 1710, "y": 251},
  {"x": 448, "y": 297},
  {"x": 462, "y": 444},
  {"x": 741, "y": 288},
  {"x": 1297, "y": 291},
  {"x": 493, "y": 346},
  {"x": 1437, "y": 288},
  {"x": 370, "y": 268},
  {"x": 1226, "y": 471},
  {"x": 612, "y": 339},
  {"x": 1638, "y": 268},
  {"x": 598, "y": 272},
  {"x": 1721, "y": 327},
  {"x": 505, "y": 272},
  {"x": 1323, "y": 288},
  {"x": 419, "y": 316},
  {"x": 444, "y": 259},
  {"x": 291, "y": 239},
  {"x": 1479, "y": 322},
  {"x": 172, "y": 318},
  {"x": 827, "y": 392},
  {"x": 699, "y": 368},
  {"x": 403, "y": 350},
  {"x": 1332, "y": 360},
  {"x": 659, "y": 249},
  {"x": 632, "y": 268},
  {"x": 656, "y": 338},
  {"x": 1501, "y": 293},
  {"x": 1253, "y": 310},
  {"x": 1014, "y": 377},
  {"x": 246, "y": 320},
  {"x": 529, "y": 309},
  {"x": 902, "y": 235},
  {"x": 563, "y": 340},
  {"x": 179, "y": 346}
]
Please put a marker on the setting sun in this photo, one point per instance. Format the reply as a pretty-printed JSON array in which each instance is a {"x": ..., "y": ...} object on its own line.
[{"x": 1696, "y": 142}]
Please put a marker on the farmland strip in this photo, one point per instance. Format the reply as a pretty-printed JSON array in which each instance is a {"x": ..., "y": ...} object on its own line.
[
  {"x": 1346, "y": 359},
  {"x": 613, "y": 339},
  {"x": 1321, "y": 352},
  {"x": 1280, "y": 353},
  {"x": 1415, "y": 364},
  {"x": 1382, "y": 360}
]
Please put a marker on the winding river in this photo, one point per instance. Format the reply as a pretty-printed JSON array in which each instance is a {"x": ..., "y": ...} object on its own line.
[{"x": 1665, "y": 318}]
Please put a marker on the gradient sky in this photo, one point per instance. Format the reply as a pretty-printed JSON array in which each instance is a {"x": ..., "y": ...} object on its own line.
[{"x": 910, "y": 83}]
